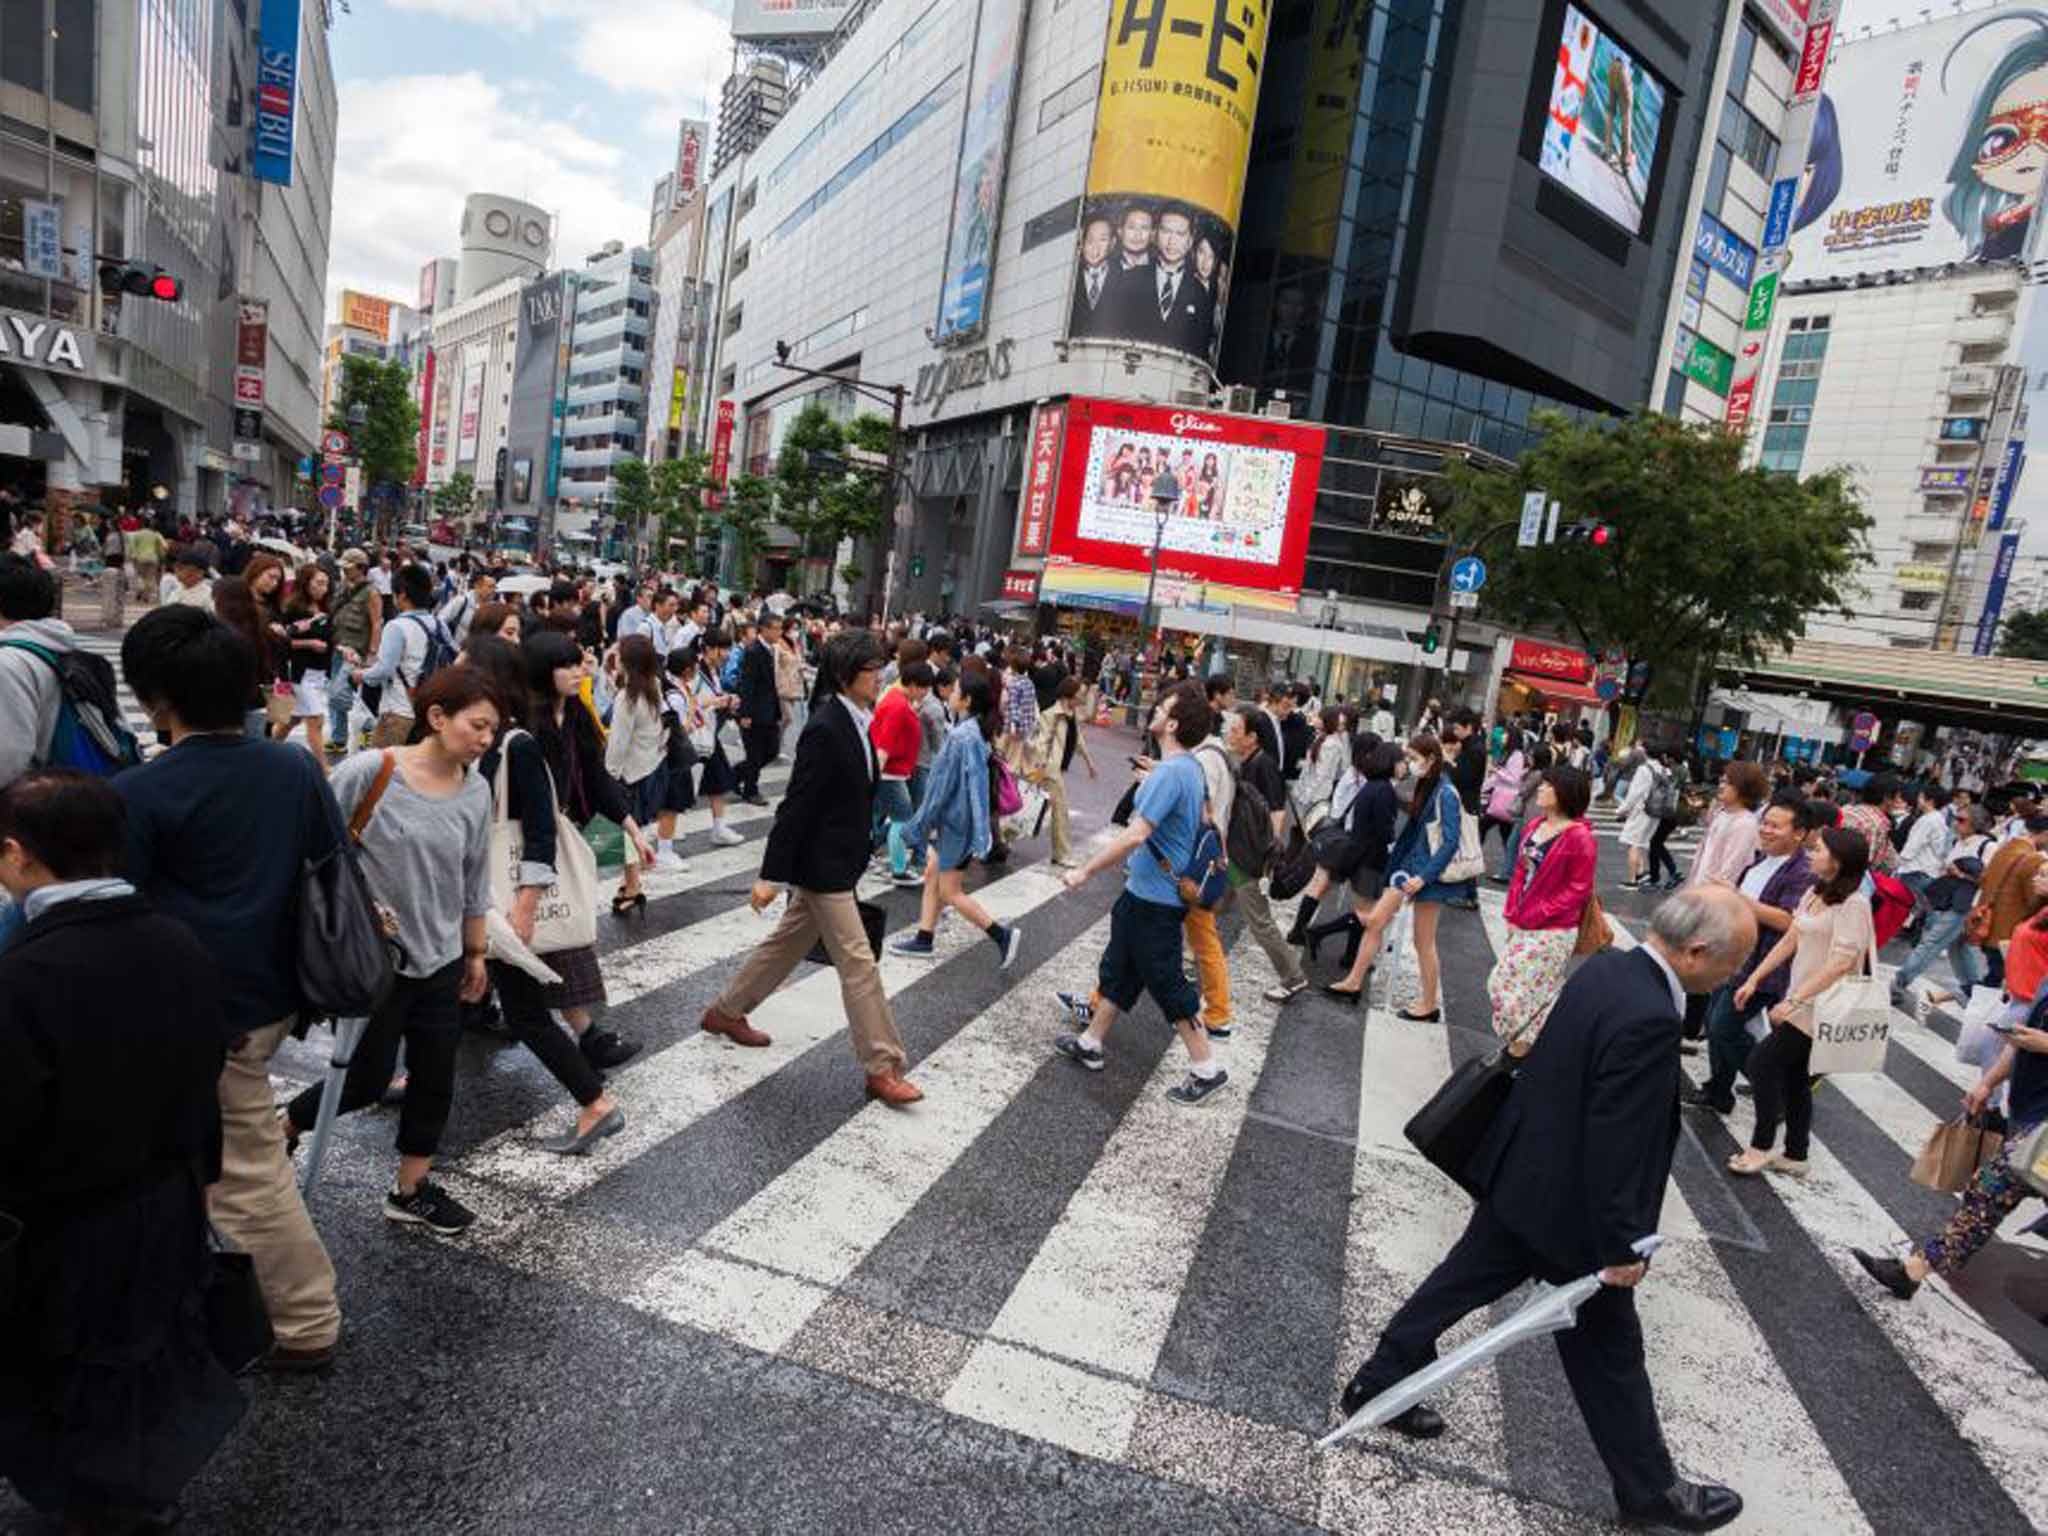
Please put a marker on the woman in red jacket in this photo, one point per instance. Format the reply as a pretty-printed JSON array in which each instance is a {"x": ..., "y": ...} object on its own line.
[{"x": 1552, "y": 881}]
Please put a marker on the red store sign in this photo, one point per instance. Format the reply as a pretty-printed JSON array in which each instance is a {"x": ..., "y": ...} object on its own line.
[
  {"x": 1020, "y": 586},
  {"x": 1540, "y": 658},
  {"x": 1041, "y": 485},
  {"x": 721, "y": 452}
]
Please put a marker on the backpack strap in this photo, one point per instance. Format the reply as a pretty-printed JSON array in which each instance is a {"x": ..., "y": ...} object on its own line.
[
  {"x": 367, "y": 806},
  {"x": 43, "y": 653}
]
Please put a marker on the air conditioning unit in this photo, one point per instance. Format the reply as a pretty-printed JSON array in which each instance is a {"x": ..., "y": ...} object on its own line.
[
  {"x": 1242, "y": 399},
  {"x": 1279, "y": 408}
]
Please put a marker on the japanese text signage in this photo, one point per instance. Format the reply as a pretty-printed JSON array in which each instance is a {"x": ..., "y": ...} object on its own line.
[
  {"x": 1019, "y": 586},
  {"x": 1707, "y": 364},
  {"x": 1994, "y": 596},
  {"x": 1957, "y": 480},
  {"x": 1541, "y": 658},
  {"x": 42, "y": 238},
  {"x": 1173, "y": 128},
  {"x": 2008, "y": 477},
  {"x": 721, "y": 446},
  {"x": 252, "y": 353},
  {"x": 277, "y": 92},
  {"x": 426, "y": 437},
  {"x": 1041, "y": 481},
  {"x": 1726, "y": 252}
]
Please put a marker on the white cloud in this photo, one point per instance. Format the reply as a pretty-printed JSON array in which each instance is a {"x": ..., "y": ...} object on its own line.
[
  {"x": 673, "y": 50},
  {"x": 412, "y": 147}
]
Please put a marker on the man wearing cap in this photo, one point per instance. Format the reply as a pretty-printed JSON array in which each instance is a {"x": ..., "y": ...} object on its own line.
[
  {"x": 192, "y": 569},
  {"x": 357, "y": 630}
]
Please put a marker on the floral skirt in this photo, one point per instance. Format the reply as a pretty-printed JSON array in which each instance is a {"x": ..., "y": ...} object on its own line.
[{"x": 1526, "y": 978}]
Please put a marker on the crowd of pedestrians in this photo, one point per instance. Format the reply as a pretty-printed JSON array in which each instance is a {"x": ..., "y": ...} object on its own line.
[{"x": 459, "y": 741}]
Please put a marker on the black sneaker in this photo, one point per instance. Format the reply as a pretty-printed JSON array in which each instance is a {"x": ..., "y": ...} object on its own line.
[
  {"x": 1218, "y": 1031},
  {"x": 914, "y": 946},
  {"x": 1079, "y": 1009},
  {"x": 605, "y": 1048},
  {"x": 907, "y": 880},
  {"x": 429, "y": 1206},
  {"x": 1011, "y": 945},
  {"x": 1079, "y": 1051},
  {"x": 1887, "y": 1272},
  {"x": 1698, "y": 1098},
  {"x": 1195, "y": 1090}
]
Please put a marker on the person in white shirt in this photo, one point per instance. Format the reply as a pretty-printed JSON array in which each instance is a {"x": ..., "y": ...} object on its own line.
[
  {"x": 1926, "y": 847},
  {"x": 457, "y": 612},
  {"x": 190, "y": 582},
  {"x": 639, "y": 619},
  {"x": 380, "y": 576}
]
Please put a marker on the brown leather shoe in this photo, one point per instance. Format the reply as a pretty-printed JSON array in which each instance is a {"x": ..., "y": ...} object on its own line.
[
  {"x": 892, "y": 1087},
  {"x": 738, "y": 1031},
  {"x": 299, "y": 1361}
]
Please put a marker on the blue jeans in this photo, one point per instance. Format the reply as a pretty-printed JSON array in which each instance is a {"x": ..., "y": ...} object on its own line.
[
  {"x": 892, "y": 809},
  {"x": 341, "y": 698},
  {"x": 1728, "y": 1042},
  {"x": 1942, "y": 931}
]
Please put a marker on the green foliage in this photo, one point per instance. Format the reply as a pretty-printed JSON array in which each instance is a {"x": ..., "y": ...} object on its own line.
[
  {"x": 632, "y": 498},
  {"x": 679, "y": 504},
  {"x": 749, "y": 506},
  {"x": 387, "y": 443},
  {"x": 821, "y": 496},
  {"x": 1709, "y": 560},
  {"x": 2025, "y": 635},
  {"x": 457, "y": 495}
]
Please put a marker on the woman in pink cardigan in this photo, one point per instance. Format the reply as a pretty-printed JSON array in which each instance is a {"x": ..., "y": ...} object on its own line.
[
  {"x": 1729, "y": 847},
  {"x": 1551, "y": 882}
]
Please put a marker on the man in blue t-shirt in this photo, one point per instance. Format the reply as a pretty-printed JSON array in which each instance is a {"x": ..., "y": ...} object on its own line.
[{"x": 1144, "y": 953}]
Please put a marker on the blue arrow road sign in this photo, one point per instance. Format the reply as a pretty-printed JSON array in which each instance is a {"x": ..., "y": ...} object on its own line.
[{"x": 1468, "y": 575}]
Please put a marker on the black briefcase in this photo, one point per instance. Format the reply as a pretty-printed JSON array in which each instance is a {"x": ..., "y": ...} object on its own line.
[
  {"x": 1449, "y": 1128},
  {"x": 872, "y": 918}
]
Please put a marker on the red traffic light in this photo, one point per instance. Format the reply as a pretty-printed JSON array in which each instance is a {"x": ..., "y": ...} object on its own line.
[
  {"x": 163, "y": 286},
  {"x": 150, "y": 282},
  {"x": 1599, "y": 535},
  {"x": 1602, "y": 535}
]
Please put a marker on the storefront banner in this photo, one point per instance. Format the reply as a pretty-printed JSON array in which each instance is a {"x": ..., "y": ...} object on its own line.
[
  {"x": 1986, "y": 638},
  {"x": 472, "y": 412},
  {"x": 252, "y": 356},
  {"x": 978, "y": 175},
  {"x": 1020, "y": 586},
  {"x": 2008, "y": 478},
  {"x": 721, "y": 448},
  {"x": 1707, "y": 364},
  {"x": 1725, "y": 251},
  {"x": 678, "y": 393},
  {"x": 1173, "y": 126},
  {"x": 1927, "y": 149},
  {"x": 1041, "y": 481},
  {"x": 277, "y": 92},
  {"x": 1957, "y": 480},
  {"x": 1546, "y": 658},
  {"x": 1242, "y": 496},
  {"x": 426, "y": 438},
  {"x": 42, "y": 238}
]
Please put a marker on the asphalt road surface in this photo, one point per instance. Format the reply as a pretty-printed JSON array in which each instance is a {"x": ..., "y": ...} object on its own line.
[{"x": 1049, "y": 1300}]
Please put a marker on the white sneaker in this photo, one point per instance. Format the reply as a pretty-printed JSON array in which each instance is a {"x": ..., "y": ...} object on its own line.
[
  {"x": 668, "y": 858},
  {"x": 724, "y": 836}
]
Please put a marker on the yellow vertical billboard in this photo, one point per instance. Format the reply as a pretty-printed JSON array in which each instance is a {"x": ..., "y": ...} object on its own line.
[{"x": 1173, "y": 131}]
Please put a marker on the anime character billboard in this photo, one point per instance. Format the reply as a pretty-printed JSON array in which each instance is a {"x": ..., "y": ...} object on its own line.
[{"x": 1928, "y": 148}]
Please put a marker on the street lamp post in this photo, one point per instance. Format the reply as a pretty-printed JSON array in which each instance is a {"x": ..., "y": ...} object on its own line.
[{"x": 1165, "y": 493}]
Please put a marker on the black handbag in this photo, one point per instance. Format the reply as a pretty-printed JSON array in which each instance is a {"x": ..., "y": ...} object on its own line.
[
  {"x": 872, "y": 918},
  {"x": 345, "y": 966},
  {"x": 1450, "y": 1126},
  {"x": 237, "y": 1322},
  {"x": 1292, "y": 872},
  {"x": 1335, "y": 849}
]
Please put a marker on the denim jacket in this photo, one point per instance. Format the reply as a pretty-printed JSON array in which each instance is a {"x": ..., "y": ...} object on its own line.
[{"x": 956, "y": 795}]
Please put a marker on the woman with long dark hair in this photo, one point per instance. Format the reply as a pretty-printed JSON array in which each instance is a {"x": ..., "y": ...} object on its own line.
[
  {"x": 235, "y": 607},
  {"x": 636, "y": 751},
  {"x": 308, "y": 631},
  {"x": 956, "y": 809},
  {"x": 576, "y": 1059},
  {"x": 1831, "y": 936},
  {"x": 1417, "y": 861}
]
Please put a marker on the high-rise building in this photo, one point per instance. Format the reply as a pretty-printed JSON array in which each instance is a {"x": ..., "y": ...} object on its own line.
[
  {"x": 676, "y": 368},
  {"x": 607, "y": 395},
  {"x": 363, "y": 327},
  {"x": 750, "y": 103},
  {"x": 131, "y": 134}
]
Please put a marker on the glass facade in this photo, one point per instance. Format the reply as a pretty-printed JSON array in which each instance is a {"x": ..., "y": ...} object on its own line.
[
  {"x": 1793, "y": 392},
  {"x": 1341, "y": 153}
]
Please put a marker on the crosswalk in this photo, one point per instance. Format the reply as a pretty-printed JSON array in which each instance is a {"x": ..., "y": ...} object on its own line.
[
  {"x": 1606, "y": 820},
  {"x": 1068, "y": 1258}
]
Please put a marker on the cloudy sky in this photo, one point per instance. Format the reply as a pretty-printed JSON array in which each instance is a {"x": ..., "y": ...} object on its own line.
[{"x": 570, "y": 104}]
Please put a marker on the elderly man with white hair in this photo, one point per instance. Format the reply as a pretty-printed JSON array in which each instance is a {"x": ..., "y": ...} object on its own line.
[{"x": 1572, "y": 1175}]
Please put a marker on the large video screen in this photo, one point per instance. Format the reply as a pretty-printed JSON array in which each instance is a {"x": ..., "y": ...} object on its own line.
[
  {"x": 1238, "y": 493},
  {"x": 1606, "y": 114}
]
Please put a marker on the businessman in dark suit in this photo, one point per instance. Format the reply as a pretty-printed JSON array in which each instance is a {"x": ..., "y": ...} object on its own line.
[
  {"x": 818, "y": 848},
  {"x": 760, "y": 707},
  {"x": 1573, "y": 1174},
  {"x": 1182, "y": 311},
  {"x": 1092, "y": 281}
]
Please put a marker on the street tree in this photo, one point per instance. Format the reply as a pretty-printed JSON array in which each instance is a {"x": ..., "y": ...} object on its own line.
[
  {"x": 386, "y": 443},
  {"x": 822, "y": 495},
  {"x": 633, "y": 499},
  {"x": 679, "y": 505},
  {"x": 455, "y": 496},
  {"x": 1708, "y": 560},
  {"x": 749, "y": 507},
  {"x": 2025, "y": 636}
]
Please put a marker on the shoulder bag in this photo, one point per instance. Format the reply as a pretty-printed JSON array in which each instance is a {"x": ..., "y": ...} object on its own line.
[
  {"x": 1468, "y": 863},
  {"x": 1852, "y": 1023},
  {"x": 567, "y": 915},
  {"x": 1450, "y": 1126},
  {"x": 1204, "y": 879},
  {"x": 344, "y": 954},
  {"x": 1595, "y": 932}
]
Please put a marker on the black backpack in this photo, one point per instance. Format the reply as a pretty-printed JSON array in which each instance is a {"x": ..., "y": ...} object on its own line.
[
  {"x": 440, "y": 649},
  {"x": 1248, "y": 841},
  {"x": 91, "y": 733}
]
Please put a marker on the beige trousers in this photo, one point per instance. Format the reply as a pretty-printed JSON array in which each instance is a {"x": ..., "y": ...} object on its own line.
[
  {"x": 832, "y": 916},
  {"x": 256, "y": 1204}
]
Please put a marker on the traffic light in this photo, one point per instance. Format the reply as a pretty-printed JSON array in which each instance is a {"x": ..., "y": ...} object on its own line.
[
  {"x": 145, "y": 282},
  {"x": 1432, "y": 638},
  {"x": 1598, "y": 535}
]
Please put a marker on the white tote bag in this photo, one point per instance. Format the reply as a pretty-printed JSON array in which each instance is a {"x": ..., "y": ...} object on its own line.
[
  {"x": 1852, "y": 1024},
  {"x": 567, "y": 916},
  {"x": 1468, "y": 863},
  {"x": 1978, "y": 1044}
]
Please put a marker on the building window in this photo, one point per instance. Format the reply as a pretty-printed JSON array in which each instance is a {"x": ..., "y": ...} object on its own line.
[
  {"x": 1068, "y": 99},
  {"x": 1745, "y": 50},
  {"x": 1917, "y": 602},
  {"x": 1717, "y": 178},
  {"x": 1753, "y": 144},
  {"x": 1674, "y": 393},
  {"x": 1793, "y": 393}
]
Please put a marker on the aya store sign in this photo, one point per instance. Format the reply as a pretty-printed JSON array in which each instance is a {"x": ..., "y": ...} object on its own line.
[
  {"x": 1020, "y": 586},
  {"x": 1041, "y": 483},
  {"x": 968, "y": 369},
  {"x": 1542, "y": 658},
  {"x": 41, "y": 343}
]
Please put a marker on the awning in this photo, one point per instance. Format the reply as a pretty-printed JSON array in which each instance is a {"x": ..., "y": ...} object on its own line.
[{"x": 1557, "y": 692}]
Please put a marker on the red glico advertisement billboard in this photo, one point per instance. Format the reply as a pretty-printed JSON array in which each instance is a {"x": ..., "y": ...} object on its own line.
[{"x": 1237, "y": 493}]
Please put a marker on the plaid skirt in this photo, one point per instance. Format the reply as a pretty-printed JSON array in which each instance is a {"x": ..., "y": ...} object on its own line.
[{"x": 582, "y": 982}]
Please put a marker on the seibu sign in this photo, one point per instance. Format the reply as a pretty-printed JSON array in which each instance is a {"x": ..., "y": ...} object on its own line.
[{"x": 1541, "y": 658}]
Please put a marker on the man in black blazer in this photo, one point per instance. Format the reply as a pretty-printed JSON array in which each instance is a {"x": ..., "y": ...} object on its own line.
[
  {"x": 760, "y": 707},
  {"x": 1573, "y": 1173},
  {"x": 818, "y": 847},
  {"x": 1092, "y": 280},
  {"x": 1182, "y": 310}
]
